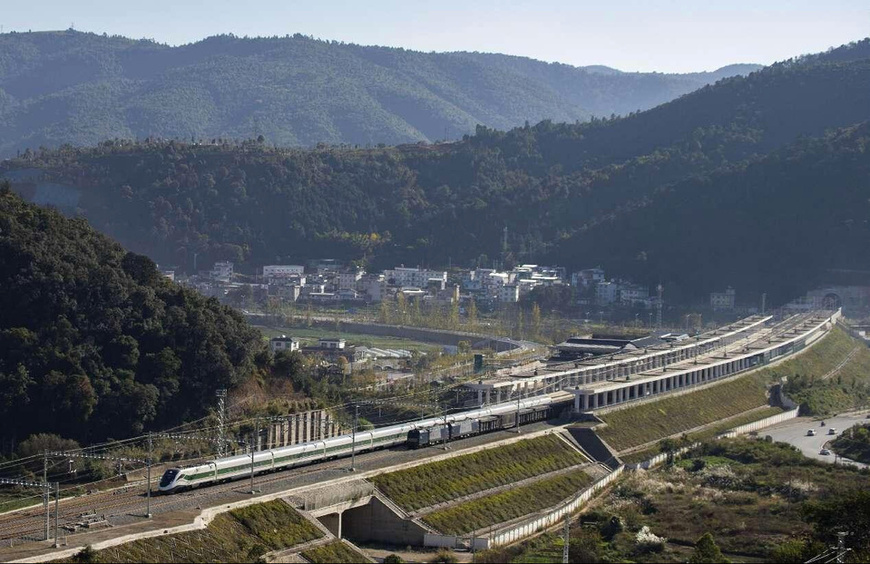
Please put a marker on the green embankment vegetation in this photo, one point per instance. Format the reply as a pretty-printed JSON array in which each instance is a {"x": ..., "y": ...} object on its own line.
[
  {"x": 334, "y": 552},
  {"x": 854, "y": 443},
  {"x": 637, "y": 425},
  {"x": 762, "y": 502},
  {"x": 848, "y": 388},
  {"x": 241, "y": 535},
  {"x": 428, "y": 484},
  {"x": 706, "y": 433},
  {"x": 507, "y": 505},
  {"x": 812, "y": 384}
]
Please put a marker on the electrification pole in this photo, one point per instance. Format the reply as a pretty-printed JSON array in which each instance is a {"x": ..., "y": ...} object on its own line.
[
  {"x": 446, "y": 431},
  {"x": 148, "y": 477},
  {"x": 518, "y": 411},
  {"x": 353, "y": 439},
  {"x": 45, "y": 489},
  {"x": 221, "y": 396},
  {"x": 56, "y": 512}
]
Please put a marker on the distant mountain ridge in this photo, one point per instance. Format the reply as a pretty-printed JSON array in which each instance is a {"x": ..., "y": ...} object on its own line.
[{"x": 82, "y": 88}]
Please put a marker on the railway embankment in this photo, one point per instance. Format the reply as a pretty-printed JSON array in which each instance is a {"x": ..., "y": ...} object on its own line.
[
  {"x": 744, "y": 399},
  {"x": 438, "y": 482}
]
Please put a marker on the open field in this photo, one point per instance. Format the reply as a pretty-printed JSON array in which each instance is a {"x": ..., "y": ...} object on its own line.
[
  {"x": 309, "y": 336},
  {"x": 334, "y": 552},
  {"x": 241, "y": 535},
  {"x": 507, "y": 505},
  {"x": 429, "y": 484}
]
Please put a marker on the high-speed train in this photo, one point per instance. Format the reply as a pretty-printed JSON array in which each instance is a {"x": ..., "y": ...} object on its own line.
[{"x": 222, "y": 469}]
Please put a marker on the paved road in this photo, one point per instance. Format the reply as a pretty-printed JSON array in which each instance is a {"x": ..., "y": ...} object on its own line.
[{"x": 794, "y": 432}]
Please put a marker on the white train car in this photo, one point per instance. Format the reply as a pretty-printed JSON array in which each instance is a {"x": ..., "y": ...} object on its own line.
[{"x": 239, "y": 466}]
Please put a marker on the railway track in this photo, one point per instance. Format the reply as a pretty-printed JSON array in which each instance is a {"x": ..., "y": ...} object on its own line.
[{"x": 130, "y": 501}]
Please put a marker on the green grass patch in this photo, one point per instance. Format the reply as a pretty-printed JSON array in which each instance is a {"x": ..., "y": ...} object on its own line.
[
  {"x": 428, "y": 484},
  {"x": 640, "y": 424},
  {"x": 507, "y": 505},
  {"x": 708, "y": 433},
  {"x": 337, "y": 552},
  {"x": 241, "y": 535}
]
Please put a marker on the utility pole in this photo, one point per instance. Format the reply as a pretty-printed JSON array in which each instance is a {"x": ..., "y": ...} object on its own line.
[
  {"x": 353, "y": 439},
  {"x": 255, "y": 438},
  {"x": 446, "y": 430},
  {"x": 661, "y": 290},
  {"x": 221, "y": 396},
  {"x": 518, "y": 411},
  {"x": 148, "y": 477},
  {"x": 56, "y": 512},
  {"x": 567, "y": 536},
  {"x": 45, "y": 490}
]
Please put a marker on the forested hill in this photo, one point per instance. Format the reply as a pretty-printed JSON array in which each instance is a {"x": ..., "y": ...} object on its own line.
[
  {"x": 776, "y": 225},
  {"x": 95, "y": 343},
  {"x": 549, "y": 184},
  {"x": 82, "y": 88}
]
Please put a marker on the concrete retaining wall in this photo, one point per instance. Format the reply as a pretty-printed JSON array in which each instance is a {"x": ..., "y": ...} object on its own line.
[
  {"x": 760, "y": 424},
  {"x": 741, "y": 430}
]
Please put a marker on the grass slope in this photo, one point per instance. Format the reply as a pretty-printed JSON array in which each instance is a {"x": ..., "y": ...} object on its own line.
[
  {"x": 241, "y": 535},
  {"x": 334, "y": 552},
  {"x": 429, "y": 484},
  {"x": 507, "y": 505},
  {"x": 648, "y": 422},
  {"x": 846, "y": 389}
]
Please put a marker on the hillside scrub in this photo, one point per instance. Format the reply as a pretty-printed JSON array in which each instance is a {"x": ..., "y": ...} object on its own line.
[
  {"x": 429, "y": 484},
  {"x": 812, "y": 384},
  {"x": 761, "y": 501},
  {"x": 507, "y": 505},
  {"x": 854, "y": 443}
]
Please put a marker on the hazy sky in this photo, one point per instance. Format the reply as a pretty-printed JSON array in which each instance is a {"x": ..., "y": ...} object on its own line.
[{"x": 668, "y": 36}]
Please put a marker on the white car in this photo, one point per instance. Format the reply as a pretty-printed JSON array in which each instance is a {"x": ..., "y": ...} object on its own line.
[
  {"x": 832, "y": 431},
  {"x": 811, "y": 433}
]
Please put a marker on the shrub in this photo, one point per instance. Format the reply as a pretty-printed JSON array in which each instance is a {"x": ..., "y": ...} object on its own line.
[
  {"x": 646, "y": 541},
  {"x": 707, "y": 552}
]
